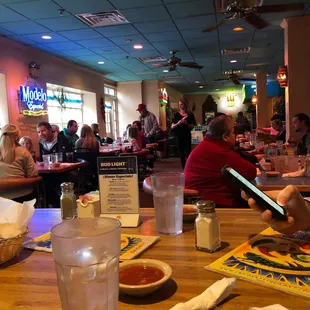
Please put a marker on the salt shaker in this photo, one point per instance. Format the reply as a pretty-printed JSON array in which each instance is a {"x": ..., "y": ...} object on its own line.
[
  {"x": 207, "y": 227},
  {"x": 68, "y": 201}
]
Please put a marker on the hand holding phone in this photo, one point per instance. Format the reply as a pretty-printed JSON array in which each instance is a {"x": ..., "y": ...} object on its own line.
[{"x": 262, "y": 200}]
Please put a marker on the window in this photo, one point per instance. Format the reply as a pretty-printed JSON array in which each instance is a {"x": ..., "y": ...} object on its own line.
[
  {"x": 111, "y": 121},
  {"x": 64, "y": 104}
]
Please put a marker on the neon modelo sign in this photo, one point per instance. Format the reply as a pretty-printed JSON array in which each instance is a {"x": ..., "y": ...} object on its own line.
[{"x": 34, "y": 100}]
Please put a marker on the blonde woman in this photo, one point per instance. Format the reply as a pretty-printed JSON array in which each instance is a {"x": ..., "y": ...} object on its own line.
[
  {"x": 27, "y": 143},
  {"x": 87, "y": 140},
  {"x": 182, "y": 125},
  {"x": 95, "y": 128},
  {"x": 15, "y": 160}
]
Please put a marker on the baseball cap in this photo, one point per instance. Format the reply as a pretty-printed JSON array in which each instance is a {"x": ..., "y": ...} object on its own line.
[{"x": 141, "y": 107}]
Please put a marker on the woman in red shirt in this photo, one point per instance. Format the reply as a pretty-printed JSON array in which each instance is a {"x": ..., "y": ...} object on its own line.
[{"x": 203, "y": 167}]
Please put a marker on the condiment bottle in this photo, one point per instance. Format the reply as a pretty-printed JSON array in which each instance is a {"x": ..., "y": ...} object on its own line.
[
  {"x": 207, "y": 227},
  {"x": 68, "y": 201}
]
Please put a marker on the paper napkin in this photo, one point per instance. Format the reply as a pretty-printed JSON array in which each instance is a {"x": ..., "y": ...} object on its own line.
[
  {"x": 210, "y": 298},
  {"x": 272, "y": 307}
]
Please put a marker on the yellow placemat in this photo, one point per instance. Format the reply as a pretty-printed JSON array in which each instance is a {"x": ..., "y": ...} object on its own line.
[
  {"x": 270, "y": 259},
  {"x": 131, "y": 245}
]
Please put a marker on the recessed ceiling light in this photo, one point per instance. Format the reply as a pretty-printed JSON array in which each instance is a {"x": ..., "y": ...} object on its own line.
[
  {"x": 197, "y": 82},
  {"x": 237, "y": 29},
  {"x": 138, "y": 46},
  {"x": 201, "y": 86},
  {"x": 233, "y": 61},
  {"x": 165, "y": 70},
  {"x": 46, "y": 37},
  {"x": 100, "y": 62},
  {"x": 217, "y": 89}
]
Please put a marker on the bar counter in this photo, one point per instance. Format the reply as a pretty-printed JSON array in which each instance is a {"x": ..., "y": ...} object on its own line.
[{"x": 29, "y": 282}]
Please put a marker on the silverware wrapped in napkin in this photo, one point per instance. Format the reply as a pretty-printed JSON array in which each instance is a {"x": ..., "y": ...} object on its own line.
[{"x": 211, "y": 297}]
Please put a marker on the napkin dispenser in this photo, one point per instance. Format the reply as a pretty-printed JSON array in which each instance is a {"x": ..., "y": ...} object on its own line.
[{"x": 88, "y": 206}]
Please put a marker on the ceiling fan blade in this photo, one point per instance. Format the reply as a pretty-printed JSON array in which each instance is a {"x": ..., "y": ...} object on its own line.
[
  {"x": 215, "y": 26},
  {"x": 161, "y": 65},
  {"x": 235, "y": 81},
  {"x": 255, "y": 21},
  {"x": 172, "y": 68},
  {"x": 218, "y": 80},
  {"x": 280, "y": 8},
  {"x": 192, "y": 65},
  {"x": 247, "y": 80}
]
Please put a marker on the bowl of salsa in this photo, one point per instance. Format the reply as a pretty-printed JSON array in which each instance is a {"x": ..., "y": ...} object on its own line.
[
  {"x": 141, "y": 277},
  {"x": 189, "y": 213}
]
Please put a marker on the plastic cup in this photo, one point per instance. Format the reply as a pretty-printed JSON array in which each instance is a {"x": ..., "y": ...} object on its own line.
[
  {"x": 54, "y": 158},
  {"x": 46, "y": 160},
  {"x": 86, "y": 254},
  {"x": 69, "y": 157},
  {"x": 168, "y": 191},
  {"x": 60, "y": 157},
  {"x": 279, "y": 162}
]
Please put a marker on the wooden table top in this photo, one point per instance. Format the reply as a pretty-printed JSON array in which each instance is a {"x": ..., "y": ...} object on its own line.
[
  {"x": 29, "y": 282},
  {"x": 64, "y": 167},
  {"x": 265, "y": 183}
]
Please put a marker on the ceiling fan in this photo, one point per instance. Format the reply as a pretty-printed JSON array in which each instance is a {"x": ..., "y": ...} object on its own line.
[
  {"x": 174, "y": 62},
  {"x": 251, "y": 14},
  {"x": 236, "y": 79}
]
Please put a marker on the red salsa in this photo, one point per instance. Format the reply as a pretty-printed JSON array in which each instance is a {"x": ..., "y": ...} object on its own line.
[{"x": 140, "y": 275}]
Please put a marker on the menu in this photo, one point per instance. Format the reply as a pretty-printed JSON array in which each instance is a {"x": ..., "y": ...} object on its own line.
[{"x": 119, "y": 191}]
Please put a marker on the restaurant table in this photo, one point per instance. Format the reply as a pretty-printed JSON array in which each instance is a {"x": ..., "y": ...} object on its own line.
[
  {"x": 29, "y": 281},
  {"x": 63, "y": 168},
  {"x": 266, "y": 183}
]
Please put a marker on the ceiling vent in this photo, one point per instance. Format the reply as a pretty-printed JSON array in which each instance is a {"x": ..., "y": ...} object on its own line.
[
  {"x": 172, "y": 77},
  {"x": 151, "y": 59},
  {"x": 236, "y": 51},
  {"x": 146, "y": 73},
  {"x": 102, "y": 19}
]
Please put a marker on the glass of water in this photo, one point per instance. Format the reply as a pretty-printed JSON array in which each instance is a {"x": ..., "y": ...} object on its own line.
[
  {"x": 86, "y": 254},
  {"x": 168, "y": 191},
  {"x": 46, "y": 160}
]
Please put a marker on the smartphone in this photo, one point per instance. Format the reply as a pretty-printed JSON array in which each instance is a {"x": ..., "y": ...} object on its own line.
[{"x": 263, "y": 201}]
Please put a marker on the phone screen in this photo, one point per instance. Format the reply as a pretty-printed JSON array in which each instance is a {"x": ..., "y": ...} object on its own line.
[{"x": 256, "y": 190}]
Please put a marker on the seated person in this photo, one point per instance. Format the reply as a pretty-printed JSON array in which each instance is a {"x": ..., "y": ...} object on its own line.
[
  {"x": 15, "y": 161},
  {"x": 87, "y": 142},
  {"x": 27, "y": 143},
  {"x": 95, "y": 128},
  {"x": 277, "y": 125},
  {"x": 49, "y": 143},
  {"x": 133, "y": 139},
  {"x": 55, "y": 130},
  {"x": 296, "y": 206},
  {"x": 70, "y": 133},
  {"x": 203, "y": 167},
  {"x": 142, "y": 140}
]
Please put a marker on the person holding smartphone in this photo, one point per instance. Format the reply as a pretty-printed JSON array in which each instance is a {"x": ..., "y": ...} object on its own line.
[{"x": 298, "y": 210}]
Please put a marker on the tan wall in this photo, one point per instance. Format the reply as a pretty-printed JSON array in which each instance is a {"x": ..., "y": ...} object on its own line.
[
  {"x": 129, "y": 95},
  {"x": 296, "y": 57},
  {"x": 220, "y": 100},
  {"x": 14, "y": 60},
  {"x": 150, "y": 96}
]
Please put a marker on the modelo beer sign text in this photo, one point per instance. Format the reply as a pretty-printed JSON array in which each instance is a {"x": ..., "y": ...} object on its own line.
[{"x": 33, "y": 100}]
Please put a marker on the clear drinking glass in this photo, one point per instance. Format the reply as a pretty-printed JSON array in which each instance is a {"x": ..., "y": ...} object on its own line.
[
  {"x": 168, "y": 191},
  {"x": 86, "y": 254},
  {"x": 279, "y": 162},
  {"x": 60, "y": 157},
  {"x": 54, "y": 158},
  {"x": 69, "y": 157},
  {"x": 46, "y": 160}
]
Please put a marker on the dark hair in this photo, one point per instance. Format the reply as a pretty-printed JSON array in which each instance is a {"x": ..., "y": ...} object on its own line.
[
  {"x": 138, "y": 123},
  {"x": 219, "y": 114},
  {"x": 45, "y": 124},
  {"x": 275, "y": 116},
  {"x": 219, "y": 126},
  {"x": 133, "y": 133},
  {"x": 240, "y": 113},
  {"x": 71, "y": 122},
  {"x": 303, "y": 117}
]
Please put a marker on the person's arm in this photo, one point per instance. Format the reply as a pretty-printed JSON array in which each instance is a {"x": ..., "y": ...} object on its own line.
[
  {"x": 308, "y": 142},
  {"x": 155, "y": 126},
  {"x": 244, "y": 167},
  {"x": 135, "y": 145},
  {"x": 30, "y": 167},
  {"x": 297, "y": 208},
  {"x": 191, "y": 121}
]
